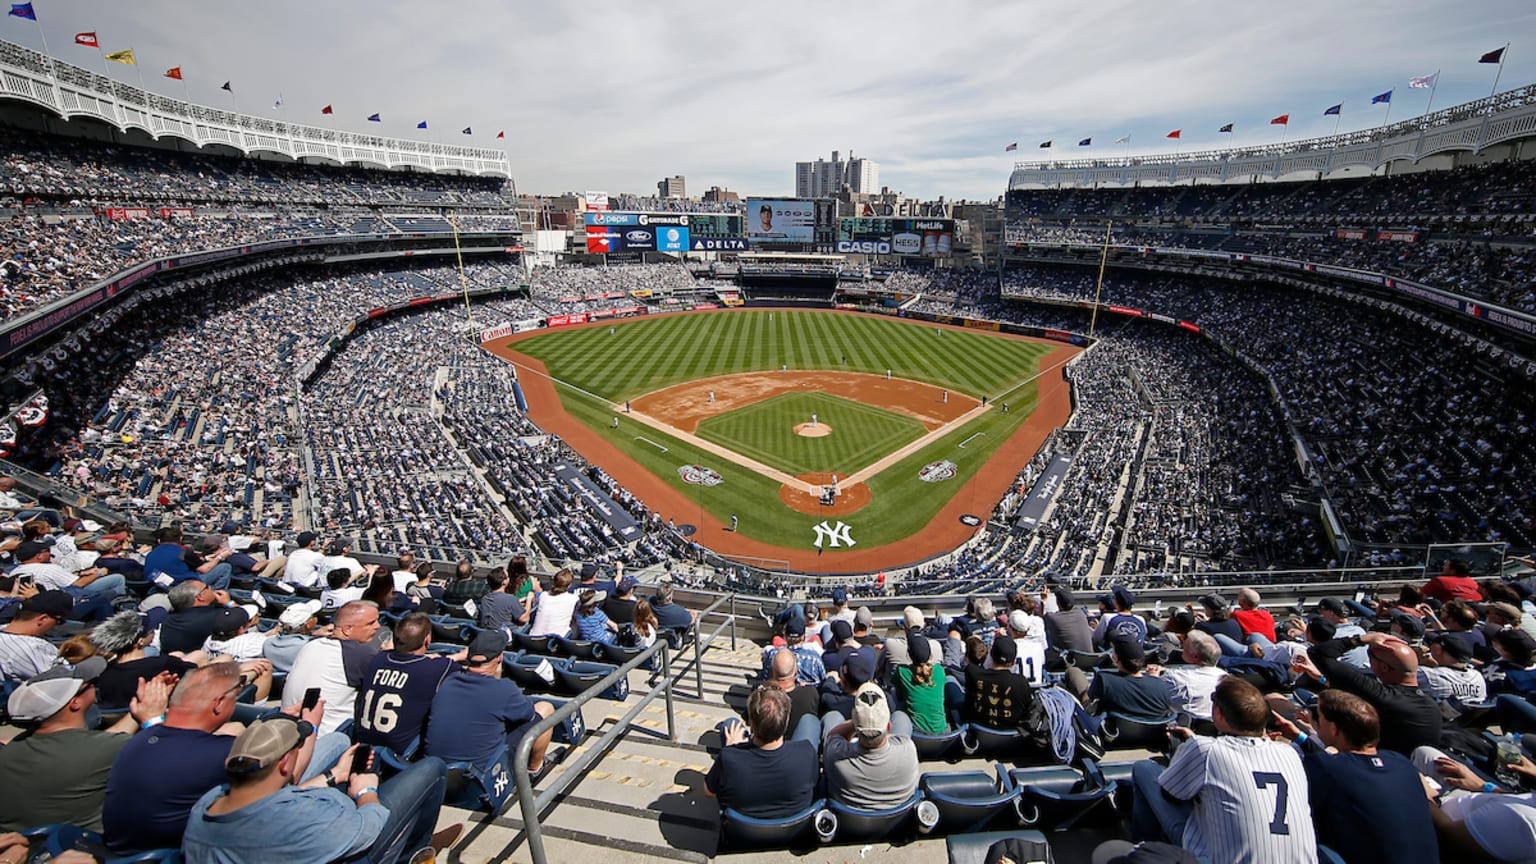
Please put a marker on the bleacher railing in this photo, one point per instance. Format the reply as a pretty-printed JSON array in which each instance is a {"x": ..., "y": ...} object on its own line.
[{"x": 534, "y": 806}]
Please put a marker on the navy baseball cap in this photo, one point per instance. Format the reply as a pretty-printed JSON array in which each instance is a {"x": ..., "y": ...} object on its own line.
[
  {"x": 839, "y": 596},
  {"x": 857, "y": 669}
]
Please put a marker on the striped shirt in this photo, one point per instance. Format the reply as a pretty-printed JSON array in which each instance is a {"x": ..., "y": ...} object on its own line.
[
  {"x": 1250, "y": 797},
  {"x": 22, "y": 656}
]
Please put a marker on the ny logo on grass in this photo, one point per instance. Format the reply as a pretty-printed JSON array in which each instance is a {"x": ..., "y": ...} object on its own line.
[{"x": 833, "y": 534}]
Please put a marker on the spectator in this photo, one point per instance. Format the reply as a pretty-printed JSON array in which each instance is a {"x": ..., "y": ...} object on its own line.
[
  {"x": 555, "y": 611},
  {"x": 57, "y": 774},
  {"x": 24, "y": 652},
  {"x": 476, "y": 712},
  {"x": 336, "y": 664},
  {"x": 195, "y": 609},
  {"x": 398, "y": 687},
  {"x": 809, "y": 668},
  {"x": 1067, "y": 628},
  {"x": 646, "y": 627},
  {"x": 93, "y": 589},
  {"x": 1367, "y": 805},
  {"x": 235, "y": 634},
  {"x": 1028, "y": 632},
  {"x": 1473, "y": 821},
  {"x": 804, "y": 699},
  {"x": 497, "y": 607},
  {"x": 871, "y": 762},
  {"x": 264, "y": 813},
  {"x": 921, "y": 688},
  {"x": 340, "y": 589},
  {"x": 1129, "y": 691},
  {"x": 170, "y": 563},
  {"x": 1333, "y": 610},
  {"x": 1444, "y": 673},
  {"x": 1121, "y": 619},
  {"x": 1217, "y": 621},
  {"x": 1190, "y": 686},
  {"x": 669, "y": 615},
  {"x": 591, "y": 623},
  {"x": 159, "y": 775},
  {"x": 1409, "y": 717},
  {"x": 763, "y": 776},
  {"x": 295, "y": 627},
  {"x": 620, "y": 606},
  {"x": 1000, "y": 698},
  {"x": 303, "y": 567},
  {"x": 121, "y": 640},
  {"x": 1238, "y": 797},
  {"x": 1253, "y": 620},
  {"x": 1454, "y": 582}
]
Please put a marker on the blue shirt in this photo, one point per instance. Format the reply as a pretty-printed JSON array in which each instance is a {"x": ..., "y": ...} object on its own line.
[
  {"x": 594, "y": 627},
  {"x": 166, "y": 558},
  {"x": 395, "y": 697},
  {"x": 1370, "y": 808},
  {"x": 288, "y": 826},
  {"x": 157, "y": 777},
  {"x": 471, "y": 716}
]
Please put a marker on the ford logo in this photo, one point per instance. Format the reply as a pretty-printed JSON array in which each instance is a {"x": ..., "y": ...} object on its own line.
[{"x": 638, "y": 236}]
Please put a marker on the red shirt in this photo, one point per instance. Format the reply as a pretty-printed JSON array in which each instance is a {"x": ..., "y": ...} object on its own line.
[
  {"x": 1447, "y": 588},
  {"x": 1255, "y": 621}
]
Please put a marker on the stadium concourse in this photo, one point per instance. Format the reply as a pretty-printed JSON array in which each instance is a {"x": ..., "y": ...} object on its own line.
[{"x": 316, "y": 410}]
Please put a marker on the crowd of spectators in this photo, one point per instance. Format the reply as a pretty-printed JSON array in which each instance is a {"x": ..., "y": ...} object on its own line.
[{"x": 562, "y": 290}]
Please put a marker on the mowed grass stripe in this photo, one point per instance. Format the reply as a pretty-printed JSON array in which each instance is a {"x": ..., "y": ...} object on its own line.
[{"x": 765, "y": 431}]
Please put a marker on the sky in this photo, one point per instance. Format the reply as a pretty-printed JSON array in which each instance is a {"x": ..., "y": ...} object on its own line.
[{"x": 614, "y": 96}]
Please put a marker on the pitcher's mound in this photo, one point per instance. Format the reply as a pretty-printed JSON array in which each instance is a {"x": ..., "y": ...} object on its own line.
[{"x": 817, "y": 430}]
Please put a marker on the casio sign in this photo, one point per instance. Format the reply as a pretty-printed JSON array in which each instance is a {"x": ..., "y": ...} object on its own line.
[
  {"x": 638, "y": 236},
  {"x": 867, "y": 247}
]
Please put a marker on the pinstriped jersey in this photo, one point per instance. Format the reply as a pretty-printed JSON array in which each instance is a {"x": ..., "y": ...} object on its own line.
[{"x": 1250, "y": 797}]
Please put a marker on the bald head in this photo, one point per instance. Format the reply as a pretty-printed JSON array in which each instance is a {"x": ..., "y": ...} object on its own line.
[
  {"x": 205, "y": 697},
  {"x": 357, "y": 621},
  {"x": 1394, "y": 662},
  {"x": 1248, "y": 598},
  {"x": 785, "y": 664}
]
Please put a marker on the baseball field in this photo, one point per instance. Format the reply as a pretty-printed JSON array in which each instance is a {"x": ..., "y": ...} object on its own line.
[{"x": 838, "y": 441}]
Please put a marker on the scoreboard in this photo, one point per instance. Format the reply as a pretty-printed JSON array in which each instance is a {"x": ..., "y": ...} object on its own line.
[{"x": 929, "y": 238}]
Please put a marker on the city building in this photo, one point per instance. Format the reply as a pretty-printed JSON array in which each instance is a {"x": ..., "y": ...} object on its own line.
[
  {"x": 672, "y": 187},
  {"x": 823, "y": 178},
  {"x": 717, "y": 195}
]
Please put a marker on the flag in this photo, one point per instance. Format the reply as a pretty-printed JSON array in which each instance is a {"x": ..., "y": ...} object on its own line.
[
  {"x": 1282, "y": 120},
  {"x": 227, "y": 87},
  {"x": 374, "y": 118},
  {"x": 279, "y": 102},
  {"x": 1177, "y": 133},
  {"x": 87, "y": 39},
  {"x": 421, "y": 125},
  {"x": 1011, "y": 147},
  {"x": 1490, "y": 57},
  {"x": 1335, "y": 110},
  {"x": 501, "y": 134},
  {"x": 1045, "y": 145},
  {"x": 24, "y": 10},
  {"x": 1424, "y": 82},
  {"x": 1086, "y": 142},
  {"x": 1382, "y": 98},
  {"x": 1226, "y": 128},
  {"x": 1125, "y": 140},
  {"x": 174, "y": 72},
  {"x": 467, "y": 132},
  {"x": 327, "y": 110},
  {"x": 123, "y": 57}
]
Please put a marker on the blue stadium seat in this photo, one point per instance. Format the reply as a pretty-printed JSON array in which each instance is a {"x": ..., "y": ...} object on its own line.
[
  {"x": 578, "y": 675},
  {"x": 475, "y": 788},
  {"x": 58, "y": 839},
  {"x": 618, "y": 655},
  {"x": 1058, "y": 797},
  {"x": 969, "y": 800},
  {"x": 1128, "y": 733},
  {"x": 890, "y": 824},
  {"x": 581, "y": 649},
  {"x": 935, "y": 747},
  {"x": 979, "y": 740},
  {"x": 534, "y": 644},
  {"x": 523, "y": 670},
  {"x": 739, "y": 832},
  {"x": 153, "y": 856}
]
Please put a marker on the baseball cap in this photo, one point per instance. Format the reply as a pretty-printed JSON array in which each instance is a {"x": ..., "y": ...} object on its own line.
[
  {"x": 911, "y": 617},
  {"x": 1517, "y": 642},
  {"x": 1459, "y": 648},
  {"x": 1412, "y": 627},
  {"x": 45, "y": 695},
  {"x": 871, "y": 713},
  {"x": 1123, "y": 596},
  {"x": 588, "y": 570},
  {"x": 306, "y": 538},
  {"x": 298, "y": 613},
  {"x": 230, "y": 526},
  {"x": 919, "y": 648},
  {"x": 339, "y": 546},
  {"x": 229, "y": 621},
  {"x": 31, "y": 549},
  {"x": 1021, "y": 622},
  {"x": 1334, "y": 605},
  {"x": 839, "y": 596},
  {"x": 1064, "y": 597},
  {"x": 794, "y": 628},
  {"x": 863, "y": 617},
  {"x": 212, "y": 542},
  {"x": 1128, "y": 649},
  {"x": 55, "y": 603},
  {"x": 486, "y": 645},
  {"x": 72, "y": 524},
  {"x": 1004, "y": 650},
  {"x": 626, "y": 584},
  {"x": 1215, "y": 602},
  {"x": 842, "y": 631},
  {"x": 266, "y": 741},
  {"x": 857, "y": 669}
]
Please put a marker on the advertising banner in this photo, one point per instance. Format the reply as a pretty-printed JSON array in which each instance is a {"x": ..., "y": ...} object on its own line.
[
  {"x": 127, "y": 212},
  {"x": 1349, "y": 234},
  {"x": 1044, "y": 491},
  {"x": 596, "y": 200},
  {"x": 597, "y": 500},
  {"x": 929, "y": 238},
  {"x": 672, "y": 238},
  {"x": 718, "y": 244},
  {"x": 1398, "y": 236},
  {"x": 771, "y": 220}
]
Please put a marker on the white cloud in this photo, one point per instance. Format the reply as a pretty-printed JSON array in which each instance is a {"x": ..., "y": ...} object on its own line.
[{"x": 617, "y": 95}]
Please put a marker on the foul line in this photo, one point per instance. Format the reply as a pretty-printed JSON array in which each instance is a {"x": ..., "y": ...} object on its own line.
[
  {"x": 650, "y": 442},
  {"x": 968, "y": 440}
]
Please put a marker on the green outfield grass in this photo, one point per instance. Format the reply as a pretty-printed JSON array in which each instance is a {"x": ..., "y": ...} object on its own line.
[
  {"x": 642, "y": 355},
  {"x": 765, "y": 431}
]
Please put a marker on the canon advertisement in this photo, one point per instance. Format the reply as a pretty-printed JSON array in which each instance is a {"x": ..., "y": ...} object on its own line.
[
  {"x": 776, "y": 221},
  {"x": 928, "y": 238}
]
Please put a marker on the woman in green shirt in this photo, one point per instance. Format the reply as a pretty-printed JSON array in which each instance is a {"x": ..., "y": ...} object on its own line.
[{"x": 921, "y": 687}]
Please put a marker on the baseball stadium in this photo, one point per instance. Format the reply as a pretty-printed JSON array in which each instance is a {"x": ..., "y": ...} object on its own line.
[{"x": 1166, "y": 499}]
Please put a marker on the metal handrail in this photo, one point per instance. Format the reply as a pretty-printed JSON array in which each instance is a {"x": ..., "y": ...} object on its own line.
[{"x": 533, "y": 805}]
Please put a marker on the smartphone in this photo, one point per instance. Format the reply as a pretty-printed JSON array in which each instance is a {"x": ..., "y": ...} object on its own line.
[
  {"x": 7, "y": 583},
  {"x": 311, "y": 698},
  {"x": 360, "y": 759}
]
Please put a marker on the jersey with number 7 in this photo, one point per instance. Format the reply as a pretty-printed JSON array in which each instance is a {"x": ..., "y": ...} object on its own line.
[{"x": 1250, "y": 799}]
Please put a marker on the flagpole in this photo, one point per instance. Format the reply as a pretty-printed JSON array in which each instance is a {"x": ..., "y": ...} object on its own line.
[
  {"x": 140, "y": 70},
  {"x": 1388, "y": 115},
  {"x": 53, "y": 73},
  {"x": 1337, "y": 119},
  {"x": 1093, "y": 318},
  {"x": 1432, "y": 88},
  {"x": 1502, "y": 57}
]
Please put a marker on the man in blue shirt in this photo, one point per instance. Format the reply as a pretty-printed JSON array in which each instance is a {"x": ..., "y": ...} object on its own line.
[
  {"x": 162, "y": 771},
  {"x": 476, "y": 711},
  {"x": 669, "y": 615},
  {"x": 397, "y": 690},
  {"x": 263, "y": 814},
  {"x": 168, "y": 564},
  {"x": 1121, "y": 621}
]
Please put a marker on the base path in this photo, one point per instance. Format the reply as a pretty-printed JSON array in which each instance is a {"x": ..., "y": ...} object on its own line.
[
  {"x": 688, "y": 403},
  {"x": 944, "y": 533}
]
